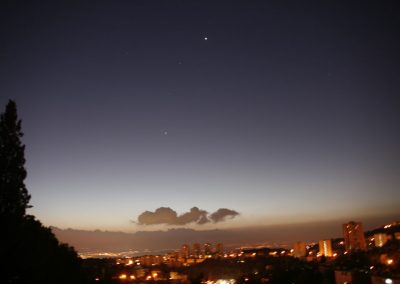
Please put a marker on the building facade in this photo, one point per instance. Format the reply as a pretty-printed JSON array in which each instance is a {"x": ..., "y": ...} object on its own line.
[
  {"x": 325, "y": 248},
  {"x": 299, "y": 249},
  {"x": 185, "y": 251},
  {"x": 353, "y": 234},
  {"x": 380, "y": 239}
]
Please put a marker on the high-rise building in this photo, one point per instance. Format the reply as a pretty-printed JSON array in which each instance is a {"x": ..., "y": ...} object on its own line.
[
  {"x": 354, "y": 238},
  {"x": 380, "y": 239},
  {"x": 299, "y": 249},
  {"x": 207, "y": 249},
  {"x": 219, "y": 249},
  {"x": 185, "y": 251},
  {"x": 325, "y": 248},
  {"x": 196, "y": 250}
]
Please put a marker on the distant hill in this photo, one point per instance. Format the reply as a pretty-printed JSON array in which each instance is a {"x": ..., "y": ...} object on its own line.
[
  {"x": 143, "y": 242},
  {"x": 86, "y": 241}
]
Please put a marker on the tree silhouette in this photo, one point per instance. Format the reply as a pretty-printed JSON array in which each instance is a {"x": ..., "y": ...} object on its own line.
[
  {"x": 29, "y": 252},
  {"x": 14, "y": 197}
]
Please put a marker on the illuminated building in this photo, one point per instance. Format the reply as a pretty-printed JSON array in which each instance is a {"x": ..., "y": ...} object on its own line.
[
  {"x": 185, "y": 251},
  {"x": 219, "y": 249},
  {"x": 354, "y": 238},
  {"x": 149, "y": 260},
  {"x": 207, "y": 249},
  {"x": 299, "y": 249},
  {"x": 380, "y": 239},
  {"x": 172, "y": 259},
  {"x": 196, "y": 251},
  {"x": 325, "y": 248}
]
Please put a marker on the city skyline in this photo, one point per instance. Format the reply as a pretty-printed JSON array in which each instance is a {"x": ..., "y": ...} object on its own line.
[{"x": 258, "y": 115}]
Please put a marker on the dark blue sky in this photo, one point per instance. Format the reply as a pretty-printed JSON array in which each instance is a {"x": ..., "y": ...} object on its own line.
[{"x": 288, "y": 112}]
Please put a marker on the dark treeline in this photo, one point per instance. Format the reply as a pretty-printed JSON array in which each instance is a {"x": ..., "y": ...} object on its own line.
[{"x": 29, "y": 251}]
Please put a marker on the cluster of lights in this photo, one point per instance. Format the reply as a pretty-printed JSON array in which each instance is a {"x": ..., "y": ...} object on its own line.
[
  {"x": 124, "y": 276},
  {"x": 128, "y": 262},
  {"x": 97, "y": 254},
  {"x": 221, "y": 281}
]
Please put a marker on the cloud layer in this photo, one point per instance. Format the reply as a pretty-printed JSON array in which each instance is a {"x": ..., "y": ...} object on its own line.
[{"x": 168, "y": 216}]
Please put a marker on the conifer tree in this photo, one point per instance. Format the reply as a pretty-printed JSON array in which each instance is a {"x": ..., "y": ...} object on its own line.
[{"x": 14, "y": 197}]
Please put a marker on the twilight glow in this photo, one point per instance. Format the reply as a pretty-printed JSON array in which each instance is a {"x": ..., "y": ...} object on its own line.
[{"x": 286, "y": 116}]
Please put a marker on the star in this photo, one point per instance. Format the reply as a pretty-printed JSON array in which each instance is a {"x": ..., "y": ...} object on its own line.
[
  {"x": 205, "y": 38},
  {"x": 165, "y": 132}
]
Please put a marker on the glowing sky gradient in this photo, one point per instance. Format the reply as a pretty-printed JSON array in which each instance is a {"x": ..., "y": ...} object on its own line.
[{"x": 286, "y": 113}]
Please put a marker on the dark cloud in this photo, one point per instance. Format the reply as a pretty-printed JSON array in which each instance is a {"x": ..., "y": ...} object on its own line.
[
  {"x": 162, "y": 215},
  {"x": 223, "y": 213},
  {"x": 195, "y": 215},
  {"x": 166, "y": 215}
]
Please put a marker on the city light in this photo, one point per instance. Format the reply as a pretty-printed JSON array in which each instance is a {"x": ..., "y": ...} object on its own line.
[
  {"x": 147, "y": 274},
  {"x": 225, "y": 281},
  {"x": 122, "y": 276}
]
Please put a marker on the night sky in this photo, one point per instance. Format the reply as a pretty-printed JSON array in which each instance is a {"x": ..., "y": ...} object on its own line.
[{"x": 283, "y": 111}]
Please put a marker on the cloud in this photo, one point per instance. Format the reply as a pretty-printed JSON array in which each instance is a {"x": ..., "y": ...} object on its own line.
[
  {"x": 162, "y": 215},
  {"x": 195, "y": 215},
  {"x": 222, "y": 214},
  {"x": 166, "y": 215}
]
